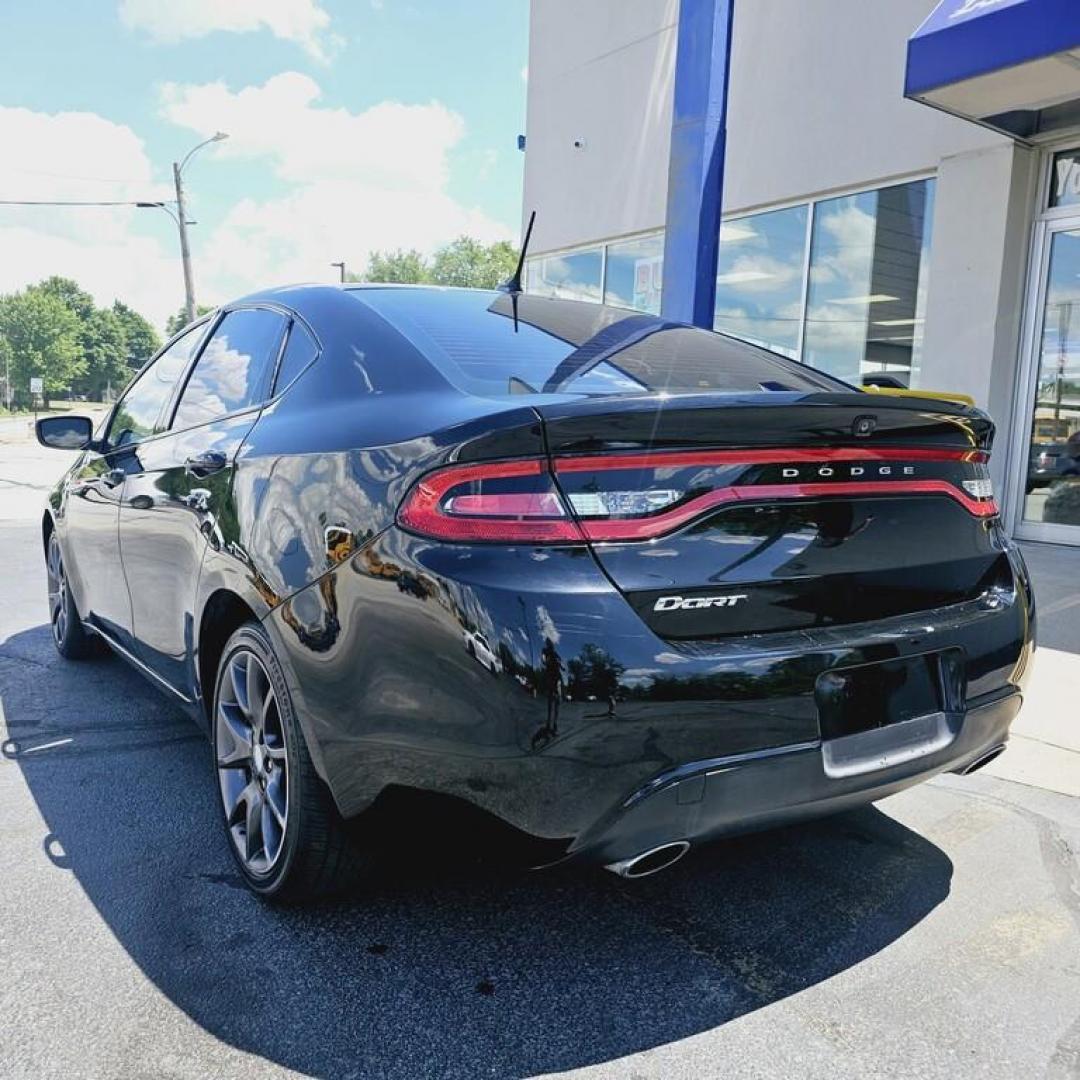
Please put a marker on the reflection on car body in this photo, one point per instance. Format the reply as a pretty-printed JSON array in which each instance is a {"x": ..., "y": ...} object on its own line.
[{"x": 352, "y": 486}]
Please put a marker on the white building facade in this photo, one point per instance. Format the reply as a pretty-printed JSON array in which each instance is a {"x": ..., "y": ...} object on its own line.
[{"x": 863, "y": 233}]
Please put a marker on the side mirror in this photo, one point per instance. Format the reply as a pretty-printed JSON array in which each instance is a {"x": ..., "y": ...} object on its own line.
[{"x": 65, "y": 432}]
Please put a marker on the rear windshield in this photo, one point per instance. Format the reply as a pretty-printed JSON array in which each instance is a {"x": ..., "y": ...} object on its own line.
[{"x": 561, "y": 346}]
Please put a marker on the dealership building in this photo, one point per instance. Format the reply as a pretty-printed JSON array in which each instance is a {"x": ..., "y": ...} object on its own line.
[{"x": 901, "y": 196}]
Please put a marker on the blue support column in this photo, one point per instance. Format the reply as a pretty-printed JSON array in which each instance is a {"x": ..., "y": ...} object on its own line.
[{"x": 696, "y": 167}]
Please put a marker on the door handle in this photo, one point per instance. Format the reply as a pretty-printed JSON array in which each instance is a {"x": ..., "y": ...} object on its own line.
[
  {"x": 113, "y": 478},
  {"x": 206, "y": 463}
]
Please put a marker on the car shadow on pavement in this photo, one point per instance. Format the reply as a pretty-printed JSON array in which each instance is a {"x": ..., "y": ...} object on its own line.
[{"x": 459, "y": 966}]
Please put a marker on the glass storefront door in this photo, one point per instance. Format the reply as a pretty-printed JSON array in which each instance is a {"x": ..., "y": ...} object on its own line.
[{"x": 1051, "y": 505}]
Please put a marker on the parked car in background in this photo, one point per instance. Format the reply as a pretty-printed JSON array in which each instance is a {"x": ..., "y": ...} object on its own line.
[
  {"x": 733, "y": 591},
  {"x": 476, "y": 645},
  {"x": 1052, "y": 461}
]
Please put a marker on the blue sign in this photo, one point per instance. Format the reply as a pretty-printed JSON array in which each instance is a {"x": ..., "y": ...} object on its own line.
[
  {"x": 963, "y": 39},
  {"x": 952, "y": 12}
]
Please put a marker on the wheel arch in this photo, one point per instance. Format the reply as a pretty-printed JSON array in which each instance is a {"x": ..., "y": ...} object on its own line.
[
  {"x": 48, "y": 527},
  {"x": 223, "y": 613}
]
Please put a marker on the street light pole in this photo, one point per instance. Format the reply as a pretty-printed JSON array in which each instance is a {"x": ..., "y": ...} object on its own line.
[
  {"x": 341, "y": 267},
  {"x": 185, "y": 250},
  {"x": 182, "y": 222}
]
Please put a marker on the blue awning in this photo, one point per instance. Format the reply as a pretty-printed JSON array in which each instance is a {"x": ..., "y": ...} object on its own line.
[{"x": 1013, "y": 64}]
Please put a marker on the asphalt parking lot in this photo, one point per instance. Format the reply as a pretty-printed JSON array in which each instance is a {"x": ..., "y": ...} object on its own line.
[{"x": 934, "y": 935}]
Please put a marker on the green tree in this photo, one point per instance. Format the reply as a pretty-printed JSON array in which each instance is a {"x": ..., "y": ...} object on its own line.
[
  {"x": 141, "y": 339},
  {"x": 5, "y": 365},
  {"x": 70, "y": 294},
  {"x": 101, "y": 337},
  {"x": 104, "y": 345},
  {"x": 400, "y": 267},
  {"x": 177, "y": 322},
  {"x": 469, "y": 263},
  {"x": 42, "y": 335}
]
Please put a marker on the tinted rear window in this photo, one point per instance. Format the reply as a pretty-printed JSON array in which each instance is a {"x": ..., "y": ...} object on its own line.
[{"x": 565, "y": 347}]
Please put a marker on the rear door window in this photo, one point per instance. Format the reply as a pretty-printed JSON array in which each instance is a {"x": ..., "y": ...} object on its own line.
[{"x": 234, "y": 370}]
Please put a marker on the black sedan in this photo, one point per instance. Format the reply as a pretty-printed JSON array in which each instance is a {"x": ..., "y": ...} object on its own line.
[{"x": 622, "y": 584}]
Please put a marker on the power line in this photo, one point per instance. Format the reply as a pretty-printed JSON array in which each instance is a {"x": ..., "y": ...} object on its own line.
[{"x": 75, "y": 202}]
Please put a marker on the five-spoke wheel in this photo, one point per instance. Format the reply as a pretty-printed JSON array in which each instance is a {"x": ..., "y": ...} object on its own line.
[
  {"x": 58, "y": 598},
  {"x": 252, "y": 761},
  {"x": 284, "y": 830},
  {"x": 73, "y": 641}
]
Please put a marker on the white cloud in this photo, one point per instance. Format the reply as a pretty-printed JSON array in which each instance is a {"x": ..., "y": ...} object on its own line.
[
  {"x": 302, "y": 21},
  {"x": 388, "y": 145},
  {"x": 358, "y": 182},
  {"x": 351, "y": 183},
  {"x": 83, "y": 156},
  {"x": 548, "y": 630}
]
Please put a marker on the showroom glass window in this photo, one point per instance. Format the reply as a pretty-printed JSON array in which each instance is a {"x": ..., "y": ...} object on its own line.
[
  {"x": 760, "y": 278},
  {"x": 1052, "y": 490},
  {"x": 634, "y": 273},
  {"x": 839, "y": 284},
  {"x": 1065, "y": 180},
  {"x": 867, "y": 286},
  {"x": 234, "y": 369},
  {"x": 139, "y": 410},
  {"x": 573, "y": 275}
]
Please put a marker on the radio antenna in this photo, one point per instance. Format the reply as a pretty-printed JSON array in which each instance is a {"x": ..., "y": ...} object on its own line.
[{"x": 513, "y": 284}]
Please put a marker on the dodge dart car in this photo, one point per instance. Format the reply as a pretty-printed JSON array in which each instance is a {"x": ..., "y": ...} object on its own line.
[{"x": 717, "y": 590}]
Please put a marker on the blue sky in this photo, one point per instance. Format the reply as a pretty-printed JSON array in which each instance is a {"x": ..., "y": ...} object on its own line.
[{"x": 354, "y": 124}]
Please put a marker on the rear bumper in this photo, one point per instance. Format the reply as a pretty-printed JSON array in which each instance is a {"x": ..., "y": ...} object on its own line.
[
  {"x": 704, "y": 800},
  {"x": 577, "y": 735}
]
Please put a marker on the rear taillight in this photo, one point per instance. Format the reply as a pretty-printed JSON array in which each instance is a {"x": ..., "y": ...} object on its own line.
[
  {"x": 506, "y": 501},
  {"x": 620, "y": 497}
]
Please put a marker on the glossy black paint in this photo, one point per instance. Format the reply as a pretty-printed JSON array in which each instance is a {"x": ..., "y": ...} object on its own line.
[{"x": 533, "y": 681}]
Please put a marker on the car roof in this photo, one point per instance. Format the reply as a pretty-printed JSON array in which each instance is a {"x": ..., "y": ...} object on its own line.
[{"x": 302, "y": 292}]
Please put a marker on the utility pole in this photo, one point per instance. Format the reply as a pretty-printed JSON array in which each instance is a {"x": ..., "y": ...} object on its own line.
[
  {"x": 185, "y": 250},
  {"x": 181, "y": 219},
  {"x": 341, "y": 267}
]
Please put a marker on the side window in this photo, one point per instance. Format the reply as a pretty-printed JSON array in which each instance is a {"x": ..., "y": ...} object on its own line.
[
  {"x": 137, "y": 414},
  {"x": 234, "y": 369},
  {"x": 300, "y": 350}
]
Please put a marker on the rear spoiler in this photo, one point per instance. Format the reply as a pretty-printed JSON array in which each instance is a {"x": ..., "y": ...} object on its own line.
[{"x": 941, "y": 395}]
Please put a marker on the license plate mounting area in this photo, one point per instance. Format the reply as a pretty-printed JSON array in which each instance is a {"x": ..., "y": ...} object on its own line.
[{"x": 877, "y": 715}]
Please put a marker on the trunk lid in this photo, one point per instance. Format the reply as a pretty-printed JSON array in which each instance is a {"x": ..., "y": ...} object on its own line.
[{"x": 718, "y": 515}]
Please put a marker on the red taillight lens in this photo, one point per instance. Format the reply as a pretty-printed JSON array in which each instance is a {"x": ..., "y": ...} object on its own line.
[
  {"x": 683, "y": 485},
  {"x": 619, "y": 497},
  {"x": 507, "y": 501}
]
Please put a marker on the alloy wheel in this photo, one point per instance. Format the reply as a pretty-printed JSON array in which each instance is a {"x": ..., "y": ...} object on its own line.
[
  {"x": 252, "y": 761},
  {"x": 58, "y": 605}
]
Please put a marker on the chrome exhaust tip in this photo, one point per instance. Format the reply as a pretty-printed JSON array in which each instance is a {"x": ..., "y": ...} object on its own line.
[
  {"x": 650, "y": 862},
  {"x": 983, "y": 759}
]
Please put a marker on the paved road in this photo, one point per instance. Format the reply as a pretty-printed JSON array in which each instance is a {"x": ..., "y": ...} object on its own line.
[{"x": 937, "y": 935}]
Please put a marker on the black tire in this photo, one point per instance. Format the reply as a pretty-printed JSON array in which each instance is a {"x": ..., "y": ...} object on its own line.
[
  {"x": 312, "y": 854},
  {"x": 72, "y": 640}
]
